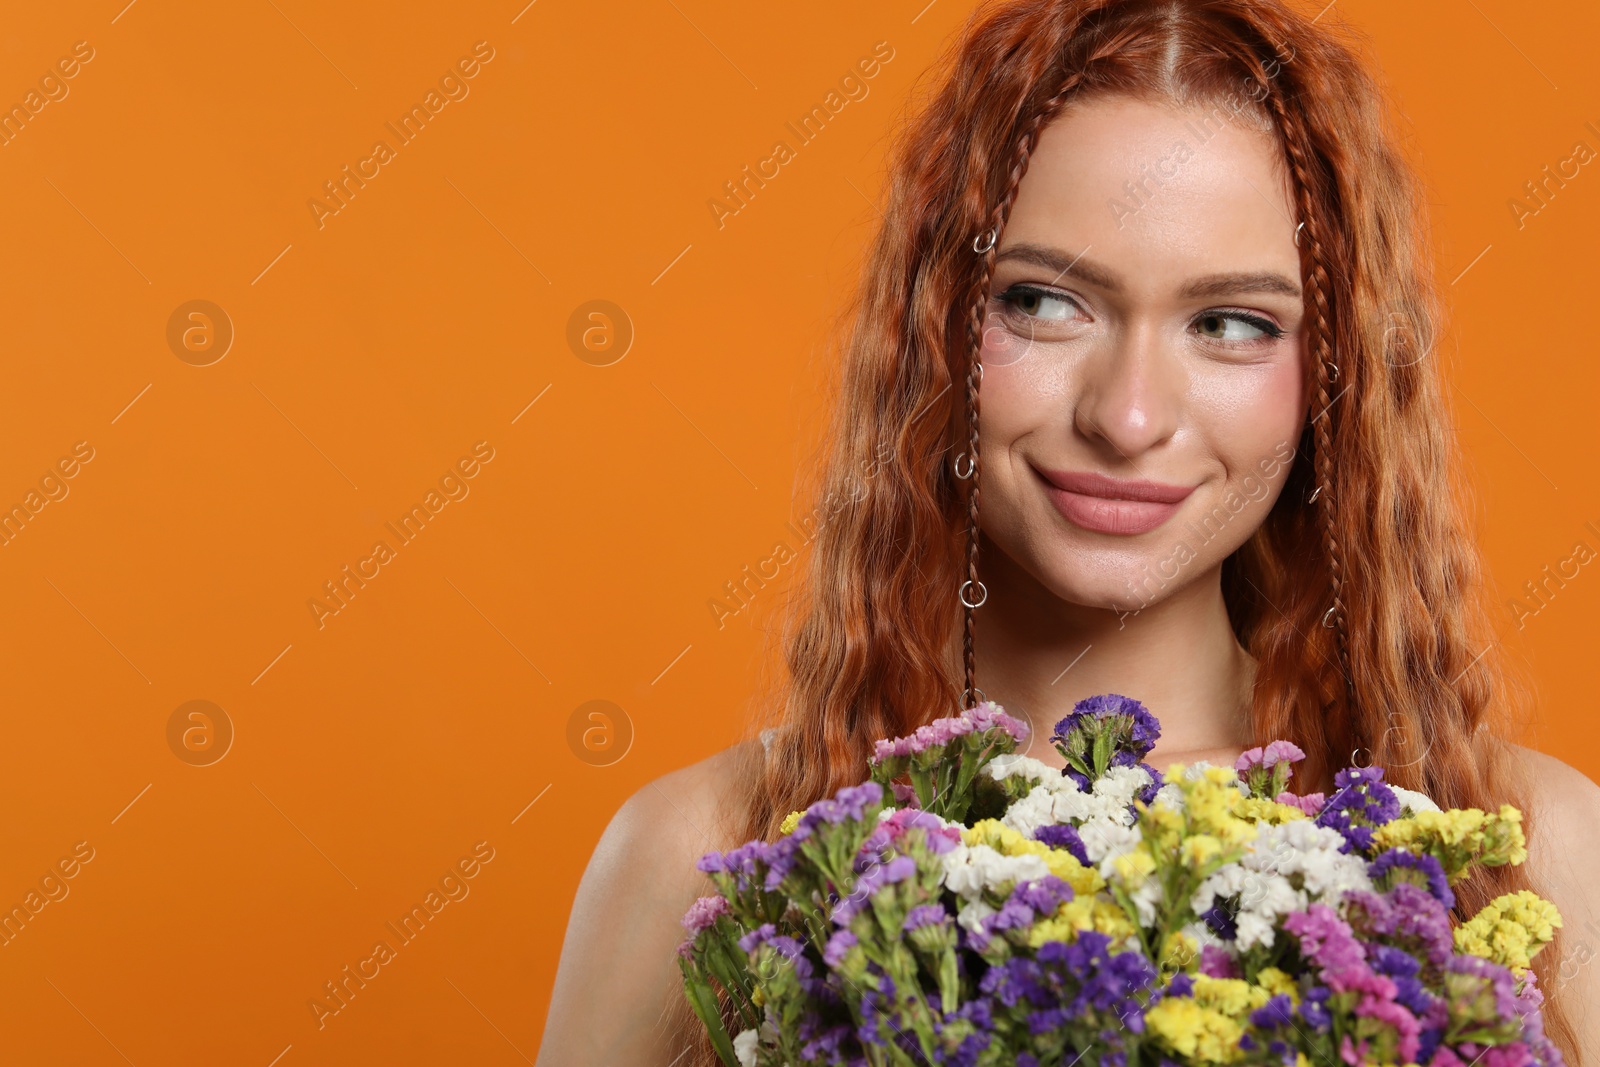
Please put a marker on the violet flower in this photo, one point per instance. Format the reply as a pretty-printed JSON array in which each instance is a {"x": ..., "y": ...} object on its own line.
[
  {"x": 1362, "y": 802},
  {"x": 1104, "y": 731},
  {"x": 1425, "y": 871}
]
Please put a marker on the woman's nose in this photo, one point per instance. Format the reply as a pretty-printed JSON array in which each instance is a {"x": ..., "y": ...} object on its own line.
[{"x": 1130, "y": 393}]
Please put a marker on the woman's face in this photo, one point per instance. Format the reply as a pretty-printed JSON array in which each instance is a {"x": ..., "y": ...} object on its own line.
[{"x": 1144, "y": 325}]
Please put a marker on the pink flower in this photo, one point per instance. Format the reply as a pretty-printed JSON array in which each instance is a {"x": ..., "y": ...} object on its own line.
[
  {"x": 1311, "y": 803},
  {"x": 703, "y": 914}
]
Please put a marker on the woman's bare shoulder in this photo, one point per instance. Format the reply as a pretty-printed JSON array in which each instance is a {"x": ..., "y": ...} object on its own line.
[
  {"x": 618, "y": 993},
  {"x": 1565, "y": 869},
  {"x": 697, "y": 805},
  {"x": 1567, "y": 796},
  {"x": 1565, "y": 809}
]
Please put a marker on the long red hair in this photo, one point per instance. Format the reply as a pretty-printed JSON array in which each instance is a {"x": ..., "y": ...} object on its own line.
[{"x": 1411, "y": 675}]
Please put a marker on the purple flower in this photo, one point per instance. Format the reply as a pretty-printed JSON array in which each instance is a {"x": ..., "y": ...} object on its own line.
[
  {"x": 1065, "y": 836},
  {"x": 747, "y": 865},
  {"x": 1407, "y": 916},
  {"x": 1104, "y": 731},
  {"x": 757, "y": 937},
  {"x": 840, "y": 943},
  {"x": 1362, "y": 802},
  {"x": 925, "y": 915},
  {"x": 904, "y": 794},
  {"x": 850, "y": 803},
  {"x": 1496, "y": 978},
  {"x": 1220, "y": 921},
  {"x": 1426, "y": 868},
  {"x": 1181, "y": 985},
  {"x": 877, "y": 877},
  {"x": 1528, "y": 1002},
  {"x": 1074, "y": 982},
  {"x": 1028, "y": 901},
  {"x": 1277, "y": 1011},
  {"x": 938, "y": 837},
  {"x": 827, "y": 1045}
]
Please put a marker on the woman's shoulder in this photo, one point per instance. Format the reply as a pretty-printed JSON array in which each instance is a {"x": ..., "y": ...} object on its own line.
[
  {"x": 1565, "y": 870},
  {"x": 618, "y": 995},
  {"x": 1564, "y": 794},
  {"x": 694, "y": 807}
]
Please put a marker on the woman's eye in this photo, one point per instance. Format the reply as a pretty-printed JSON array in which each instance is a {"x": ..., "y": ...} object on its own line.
[
  {"x": 1040, "y": 304},
  {"x": 1216, "y": 325}
]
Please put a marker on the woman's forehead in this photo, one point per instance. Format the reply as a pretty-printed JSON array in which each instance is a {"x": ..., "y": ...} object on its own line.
[{"x": 1153, "y": 188}]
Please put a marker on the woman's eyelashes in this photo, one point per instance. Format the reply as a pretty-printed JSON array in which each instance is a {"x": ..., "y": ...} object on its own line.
[
  {"x": 1038, "y": 304},
  {"x": 1034, "y": 307}
]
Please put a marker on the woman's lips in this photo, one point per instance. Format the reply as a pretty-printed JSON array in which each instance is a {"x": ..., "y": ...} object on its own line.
[{"x": 1110, "y": 514}]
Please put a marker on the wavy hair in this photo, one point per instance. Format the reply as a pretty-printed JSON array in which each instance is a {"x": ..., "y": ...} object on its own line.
[{"x": 871, "y": 634}]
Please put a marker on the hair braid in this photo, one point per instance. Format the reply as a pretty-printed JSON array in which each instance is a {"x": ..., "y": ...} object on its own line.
[
  {"x": 1026, "y": 143},
  {"x": 1318, "y": 286}
]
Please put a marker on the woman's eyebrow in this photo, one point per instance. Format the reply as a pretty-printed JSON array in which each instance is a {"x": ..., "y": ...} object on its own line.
[{"x": 1208, "y": 285}]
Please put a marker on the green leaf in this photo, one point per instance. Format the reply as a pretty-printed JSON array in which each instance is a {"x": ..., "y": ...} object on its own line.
[{"x": 704, "y": 1003}]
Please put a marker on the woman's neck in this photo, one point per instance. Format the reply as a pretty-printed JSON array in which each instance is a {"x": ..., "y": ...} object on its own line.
[{"x": 1038, "y": 655}]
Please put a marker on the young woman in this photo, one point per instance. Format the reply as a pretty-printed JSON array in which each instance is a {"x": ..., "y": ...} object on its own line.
[{"x": 1169, "y": 249}]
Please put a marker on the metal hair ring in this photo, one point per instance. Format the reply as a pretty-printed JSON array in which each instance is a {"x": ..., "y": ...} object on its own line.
[
  {"x": 1312, "y": 499},
  {"x": 1297, "y": 230},
  {"x": 971, "y": 463},
  {"x": 985, "y": 241},
  {"x": 1333, "y": 372},
  {"x": 1326, "y": 616},
  {"x": 983, "y": 594},
  {"x": 968, "y": 694}
]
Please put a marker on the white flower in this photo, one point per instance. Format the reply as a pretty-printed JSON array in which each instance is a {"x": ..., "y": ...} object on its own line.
[
  {"x": 1170, "y": 794},
  {"x": 1104, "y": 841},
  {"x": 969, "y": 870},
  {"x": 1412, "y": 802},
  {"x": 1287, "y": 867},
  {"x": 1264, "y": 897},
  {"x": 1036, "y": 809},
  {"x": 744, "y": 1047},
  {"x": 1014, "y": 763},
  {"x": 970, "y": 914}
]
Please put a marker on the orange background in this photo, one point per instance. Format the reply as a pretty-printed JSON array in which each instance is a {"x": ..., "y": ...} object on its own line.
[{"x": 427, "y": 315}]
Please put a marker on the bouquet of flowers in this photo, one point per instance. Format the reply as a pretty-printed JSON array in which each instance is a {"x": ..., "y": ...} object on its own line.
[{"x": 968, "y": 905}]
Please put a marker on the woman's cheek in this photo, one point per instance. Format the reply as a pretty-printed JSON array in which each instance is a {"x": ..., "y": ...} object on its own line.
[{"x": 1002, "y": 346}]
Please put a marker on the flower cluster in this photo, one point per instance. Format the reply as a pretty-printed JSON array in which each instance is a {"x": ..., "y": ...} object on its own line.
[{"x": 975, "y": 907}]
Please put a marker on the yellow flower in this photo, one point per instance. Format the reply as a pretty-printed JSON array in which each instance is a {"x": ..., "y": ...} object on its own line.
[
  {"x": 1180, "y": 952},
  {"x": 790, "y": 821},
  {"x": 1459, "y": 838},
  {"x": 1269, "y": 811},
  {"x": 1233, "y": 997},
  {"x": 1161, "y": 825},
  {"x": 1191, "y": 1030},
  {"x": 1134, "y": 866},
  {"x": 1510, "y": 930},
  {"x": 1275, "y": 981},
  {"x": 1083, "y": 913},
  {"x": 1199, "y": 850}
]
